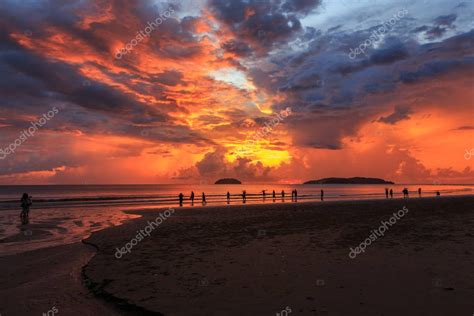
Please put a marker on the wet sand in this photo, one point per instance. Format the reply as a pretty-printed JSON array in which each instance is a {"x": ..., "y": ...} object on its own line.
[
  {"x": 35, "y": 282},
  {"x": 261, "y": 260}
]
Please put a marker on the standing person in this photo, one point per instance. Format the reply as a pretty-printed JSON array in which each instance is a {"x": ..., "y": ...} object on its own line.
[
  {"x": 181, "y": 197},
  {"x": 419, "y": 192},
  {"x": 405, "y": 193},
  {"x": 386, "y": 193},
  {"x": 192, "y": 198},
  {"x": 322, "y": 195},
  {"x": 437, "y": 193},
  {"x": 296, "y": 196},
  {"x": 228, "y": 197},
  {"x": 203, "y": 198},
  {"x": 25, "y": 207},
  {"x": 282, "y": 194},
  {"x": 391, "y": 193},
  {"x": 274, "y": 196},
  {"x": 264, "y": 194},
  {"x": 244, "y": 196}
]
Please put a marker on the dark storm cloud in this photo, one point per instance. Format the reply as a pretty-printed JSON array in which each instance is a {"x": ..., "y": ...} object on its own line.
[
  {"x": 31, "y": 83},
  {"x": 303, "y": 6},
  {"x": 465, "y": 128},
  {"x": 389, "y": 55},
  {"x": 239, "y": 48},
  {"x": 440, "y": 26},
  {"x": 445, "y": 20},
  {"x": 263, "y": 24},
  {"x": 400, "y": 113},
  {"x": 169, "y": 78},
  {"x": 63, "y": 81},
  {"x": 432, "y": 69},
  {"x": 323, "y": 76}
]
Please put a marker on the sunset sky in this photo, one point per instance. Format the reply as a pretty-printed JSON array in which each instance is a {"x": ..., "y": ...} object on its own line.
[{"x": 181, "y": 105}]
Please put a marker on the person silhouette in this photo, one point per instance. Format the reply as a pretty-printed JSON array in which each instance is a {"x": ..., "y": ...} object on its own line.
[
  {"x": 192, "y": 198},
  {"x": 264, "y": 194},
  {"x": 244, "y": 196},
  {"x": 25, "y": 208},
  {"x": 437, "y": 193},
  {"x": 405, "y": 193},
  {"x": 391, "y": 193},
  {"x": 274, "y": 196},
  {"x": 322, "y": 195},
  {"x": 296, "y": 196},
  {"x": 181, "y": 198},
  {"x": 203, "y": 198},
  {"x": 419, "y": 192},
  {"x": 386, "y": 193},
  {"x": 228, "y": 197},
  {"x": 283, "y": 195}
]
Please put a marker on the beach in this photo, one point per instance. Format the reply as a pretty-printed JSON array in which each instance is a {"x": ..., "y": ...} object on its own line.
[{"x": 261, "y": 260}]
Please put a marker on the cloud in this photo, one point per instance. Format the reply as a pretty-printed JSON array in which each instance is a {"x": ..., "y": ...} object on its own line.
[
  {"x": 214, "y": 166},
  {"x": 399, "y": 114}
]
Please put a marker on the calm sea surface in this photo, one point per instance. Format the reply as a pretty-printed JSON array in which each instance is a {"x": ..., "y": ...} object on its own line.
[
  {"x": 69, "y": 213},
  {"x": 105, "y": 196}
]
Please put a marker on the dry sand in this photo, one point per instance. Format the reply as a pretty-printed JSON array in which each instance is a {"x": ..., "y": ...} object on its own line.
[{"x": 259, "y": 260}]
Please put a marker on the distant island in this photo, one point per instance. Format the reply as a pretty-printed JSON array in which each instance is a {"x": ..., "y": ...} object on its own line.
[
  {"x": 355, "y": 180},
  {"x": 228, "y": 181}
]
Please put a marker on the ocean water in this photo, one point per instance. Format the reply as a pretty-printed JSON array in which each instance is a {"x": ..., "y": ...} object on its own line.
[
  {"x": 143, "y": 196},
  {"x": 66, "y": 214}
]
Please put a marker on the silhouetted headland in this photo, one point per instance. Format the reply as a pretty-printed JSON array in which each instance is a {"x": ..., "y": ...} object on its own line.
[
  {"x": 355, "y": 180},
  {"x": 228, "y": 181}
]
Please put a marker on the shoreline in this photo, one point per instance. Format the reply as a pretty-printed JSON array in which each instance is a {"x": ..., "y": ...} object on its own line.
[{"x": 102, "y": 239}]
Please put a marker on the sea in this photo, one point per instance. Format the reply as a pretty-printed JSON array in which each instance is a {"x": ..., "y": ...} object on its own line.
[{"x": 63, "y": 214}]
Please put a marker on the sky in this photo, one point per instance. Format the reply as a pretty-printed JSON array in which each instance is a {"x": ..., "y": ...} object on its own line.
[{"x": 130, "y": 91}]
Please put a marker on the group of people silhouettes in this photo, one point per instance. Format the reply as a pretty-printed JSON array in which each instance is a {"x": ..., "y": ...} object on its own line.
[
  {"x": 294, "y": 196},
  {"x": 405, "y": 193}
]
